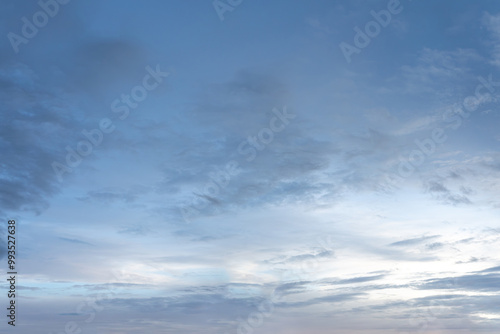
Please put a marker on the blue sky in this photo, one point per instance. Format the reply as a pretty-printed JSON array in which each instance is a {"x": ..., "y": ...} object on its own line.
[{"x": 225, "y": 167}]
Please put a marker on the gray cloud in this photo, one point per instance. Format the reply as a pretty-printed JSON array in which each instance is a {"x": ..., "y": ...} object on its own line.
[
  {"x": 327, "y": 299},
  {"x": 354, "y": 280},
  {"x": 75, "y": 241},
  {"x": 110, "y": 195},
  {"x": 484, "y": 282},
  {"x": 492, "y": 269},
  {"x": 414, "y": 241},
  {"x": 35, "y": 121}
]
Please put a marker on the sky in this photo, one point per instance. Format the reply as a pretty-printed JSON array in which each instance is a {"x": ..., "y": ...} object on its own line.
[{"x": 251, "y": 166}]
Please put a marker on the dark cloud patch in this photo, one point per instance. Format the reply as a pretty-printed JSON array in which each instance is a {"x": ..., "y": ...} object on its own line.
[
  {"x": 434, "y": 246},
  {"x": 355, "y": 280},
  {"x": 465, "y": 241},
  {"x": 211, "y": 199},
  {"x": 101, "y": 67},
  {"x": 466, "y": 190},
  {"x": 435, "y": 186},
  {"x": 110, "y": 195},
  {"x": 322, "y": 254},
  {"x": 35, "y": 125},
  {"x": 412, "y": 305},
  {"x": 412, "y": 242},
  {"x": 292, "y": 288},
  {"x": 446, "y": 196},
  {"x": 454, "y": 175},
  {"x": 472, "y": 259},
  {"x": 74, "y": 241},
  {"x": 206, "y": 238},
  {"x": 195, "y": 309},
  {"x": 457, "y": 199},
  {"x": 492, "y": 269},
  {"x": 29, "y": 288},
  {"x": 137, "y": 229},
  {"x": 111, "y": 286},
  {"x": 304, "y": 257},
  {"x": 182, "y": 259},
  {"x": 250, "y": 82},
  {"x": 338, "y": 298},
  {"x": 484, "y": 282}
]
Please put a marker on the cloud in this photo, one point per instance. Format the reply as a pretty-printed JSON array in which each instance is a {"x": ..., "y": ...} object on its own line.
[
  {"x": 435, "y": 186},
  {"x": 477, "y": 282},
  {"x": 492, "y": 23},
  {"x": 435, "y": 69},
  {"x": 471, "y": 260},
  {"x": 338, "y": 298},
  {"x": 115, "y": 194},
  {"x": 445, "y": 195},
  {"x": 302, "y": 257},
  {"x": 35, "y": 120},
  {"x": 492, "y": 269},
  {"x": 74, "y": 241},
  {"x": 292, "y": 288},
  {"x": 228, "y": 114},
  {"x": 354, "y": 280},
  {"x": 412, "y": 242}
]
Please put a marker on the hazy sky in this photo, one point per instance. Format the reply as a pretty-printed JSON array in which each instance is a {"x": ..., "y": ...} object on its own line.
[{"x": 285, "y": 166}]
